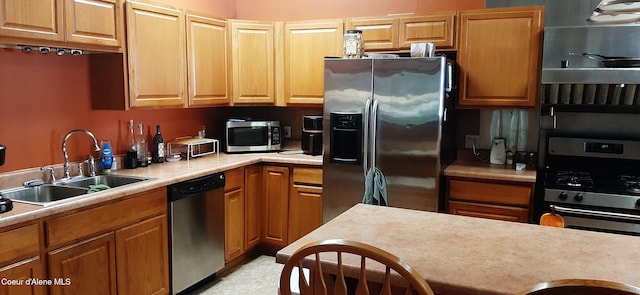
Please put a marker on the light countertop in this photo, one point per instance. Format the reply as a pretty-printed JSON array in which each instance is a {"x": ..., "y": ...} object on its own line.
[
  {"x": 471, "y": 169},
  {"x": 465, "y": 255},
  {"x": 162, "y": 175}
]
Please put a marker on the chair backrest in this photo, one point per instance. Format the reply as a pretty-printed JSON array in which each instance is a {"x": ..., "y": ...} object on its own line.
[
  {"x": 329, "y": 278},
  {"x": 581, "y": 287}
]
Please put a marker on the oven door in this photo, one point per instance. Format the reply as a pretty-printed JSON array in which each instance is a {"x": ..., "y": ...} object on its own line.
[{"x": 598, "y": 220}]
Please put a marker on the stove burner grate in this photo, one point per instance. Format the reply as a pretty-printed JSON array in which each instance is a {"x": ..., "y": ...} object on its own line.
[
  {"x": 631, "y": 183},
  {"x": 574, "y": 179}
]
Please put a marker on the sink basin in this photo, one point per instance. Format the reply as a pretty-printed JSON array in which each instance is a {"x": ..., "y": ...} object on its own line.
[
  {"x": 40, "y": 195},
  {"x": 43, "y": 194},
  {"x": 109, "y": 180}
]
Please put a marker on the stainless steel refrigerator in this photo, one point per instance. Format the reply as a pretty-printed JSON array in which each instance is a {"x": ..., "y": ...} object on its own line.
[{"x": 387, "y": 113}]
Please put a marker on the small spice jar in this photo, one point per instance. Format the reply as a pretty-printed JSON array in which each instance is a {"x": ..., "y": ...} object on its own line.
[{"x": 353, "y": 44}]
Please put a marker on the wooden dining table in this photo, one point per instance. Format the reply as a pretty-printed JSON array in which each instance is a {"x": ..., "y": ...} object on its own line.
[{"x": 468, "y": 255}]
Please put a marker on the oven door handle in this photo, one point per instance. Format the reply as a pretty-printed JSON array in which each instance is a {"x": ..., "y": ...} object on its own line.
[{"x": 595, "y": 213}]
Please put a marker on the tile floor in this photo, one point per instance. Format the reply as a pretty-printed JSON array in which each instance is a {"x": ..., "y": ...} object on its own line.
[{"x": 256, "y": 277}]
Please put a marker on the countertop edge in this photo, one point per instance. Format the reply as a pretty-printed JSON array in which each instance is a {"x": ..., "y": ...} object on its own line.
[
  {"x": 469, "y": 169},
  {"x": 160, "y": 175}
]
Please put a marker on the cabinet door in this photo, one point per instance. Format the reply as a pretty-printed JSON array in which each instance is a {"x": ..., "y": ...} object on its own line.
[
  {"x": 499, "y": 57},
  {"x": 305, "y": 210},
  {"x": 305, "y": 46},
  {"x": 23, "y": 270},
  {"x": 33, "y": 19},
  {"x": 253, "y": 206},
  {"x": 89, "y": 265},
  {"x": 234, "y": 213},
  {"x": 438, "y": 29},
  {"x": 207, "y": 61},
  {"x": 96, "y": 22},
  {"x": 379, "y": 33},
  {"x": 305, "y": 202},
  {"x": 253, "y": 61},
  {"x": 505, "y": 213},
  {"x": 156, "y": 51},
  {"x": 142, "y": 252},
  {"x": 276, "y": 196}
]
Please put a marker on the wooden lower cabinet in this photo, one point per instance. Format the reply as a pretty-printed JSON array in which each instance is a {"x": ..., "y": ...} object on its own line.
[
  {"x": 89, "y": 266},
  {"x": 243, "y": 206},
  {"x": 234, "y": 196},
  {"x": 501, "y": 200},
  {"x": 253, "y": 206},
  {"x": 22, "y": 271},
  {"x": 275, "y": 180},
  {"x": 20, "y": 260},
  {"x": 86, "y": 248},
  {"x": 305, "y": 202},
  {"x": 142, "y": 257}
]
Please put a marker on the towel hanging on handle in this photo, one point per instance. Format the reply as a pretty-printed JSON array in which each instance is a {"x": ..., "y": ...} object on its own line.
[{"x": 375, "y": 188}]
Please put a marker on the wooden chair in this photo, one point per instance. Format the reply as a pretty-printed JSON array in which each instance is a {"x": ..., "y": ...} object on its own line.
[
  {"x": 581, "y": 287},
  {"x": 329, "y": 278}
]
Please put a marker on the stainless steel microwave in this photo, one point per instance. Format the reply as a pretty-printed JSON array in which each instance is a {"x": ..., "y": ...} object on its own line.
[{"x": 253, "y": 136}]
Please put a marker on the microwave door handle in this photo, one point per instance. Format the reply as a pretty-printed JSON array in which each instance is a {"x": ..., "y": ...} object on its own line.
[
  {"x": 367, "y": 113},
  {"x": 269, "y": 135}
]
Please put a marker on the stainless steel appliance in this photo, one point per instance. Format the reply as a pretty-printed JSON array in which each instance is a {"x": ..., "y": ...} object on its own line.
[
  {"x": 594, "y": 183},
  {"x": 388, "y": 114},
  {"x": 253, "y": 136},
  {"x": 589, "y": 137},
  {"x": 196, "y": 209},
  {"x": 312, "y": 135}
]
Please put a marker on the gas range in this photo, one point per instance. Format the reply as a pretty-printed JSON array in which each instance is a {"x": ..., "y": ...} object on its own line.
[
  {"x": 608, "y": 190},
  {"x": 594, "y": 183}
]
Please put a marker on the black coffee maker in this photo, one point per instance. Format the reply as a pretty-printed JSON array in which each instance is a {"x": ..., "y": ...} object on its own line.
[{"x": 312, "y": 135}]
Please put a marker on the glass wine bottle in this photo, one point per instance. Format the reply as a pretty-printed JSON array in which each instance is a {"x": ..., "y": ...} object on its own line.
[{"x": 158, "y": 146}]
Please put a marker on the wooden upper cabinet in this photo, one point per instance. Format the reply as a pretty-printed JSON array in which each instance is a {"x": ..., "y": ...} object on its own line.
[
  {"x": 93, "y": 22},
  {"x": 379, "y": 33},
  {"x": 86, "y": 24},
  {"x": 156, "y": 55},
  {"x": 207, "y": 60},
  {"x": 499, "y": 57},
  {"x": 438, "y": 29},
  {"x": 253, "y": 53},
  {"x": 306, "y": 43},
  {"x": 33, "y": 19}
]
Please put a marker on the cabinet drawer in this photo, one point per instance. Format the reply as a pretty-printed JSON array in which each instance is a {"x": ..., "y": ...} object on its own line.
[
  {"x": 491, "y": 192},
  {"x": 234, "y": 179},
  {"x": 107, "y": 217},
  {"x": 307, "y": 175},
  {"x": 497, "y": 212},
  {"x": 19, "y": 243}
]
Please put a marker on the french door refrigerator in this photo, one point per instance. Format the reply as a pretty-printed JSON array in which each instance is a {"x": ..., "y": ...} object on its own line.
[{"x": 389, "y": 114}]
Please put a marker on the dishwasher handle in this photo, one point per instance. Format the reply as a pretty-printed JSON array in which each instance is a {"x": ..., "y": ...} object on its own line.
[{"x": 196, "y": 186}]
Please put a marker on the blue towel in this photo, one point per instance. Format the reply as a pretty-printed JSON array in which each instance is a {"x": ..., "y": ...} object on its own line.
[{"x": 375, "y": 188}]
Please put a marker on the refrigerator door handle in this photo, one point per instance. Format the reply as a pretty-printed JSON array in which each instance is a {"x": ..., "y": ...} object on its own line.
[
  {"x": 374, "y": 132},
  {"x": 367, "y": 112}
]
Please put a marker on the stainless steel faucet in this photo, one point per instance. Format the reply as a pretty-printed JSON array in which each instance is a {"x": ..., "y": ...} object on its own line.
[{"x": 64, "y": 148}]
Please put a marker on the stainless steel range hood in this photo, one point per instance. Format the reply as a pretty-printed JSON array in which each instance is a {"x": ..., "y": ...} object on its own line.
[{"x": 563, "y": 61}]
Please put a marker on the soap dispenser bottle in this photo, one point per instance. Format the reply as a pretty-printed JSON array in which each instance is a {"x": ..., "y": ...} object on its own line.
[{"x": 106, "y": 156}]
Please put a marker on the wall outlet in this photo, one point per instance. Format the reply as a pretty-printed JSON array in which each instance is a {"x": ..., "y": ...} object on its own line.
[
  {"x": 471, "y": 140},
  {"x": 287, "y": 131}
]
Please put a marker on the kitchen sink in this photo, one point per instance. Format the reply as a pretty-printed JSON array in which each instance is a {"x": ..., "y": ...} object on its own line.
[
  {"x": 109, "y": 180},
  {"x": 42, "y": 194}
]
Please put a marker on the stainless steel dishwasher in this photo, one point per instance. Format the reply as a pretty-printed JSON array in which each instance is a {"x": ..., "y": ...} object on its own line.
[{"x": 196, "y": 231}]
